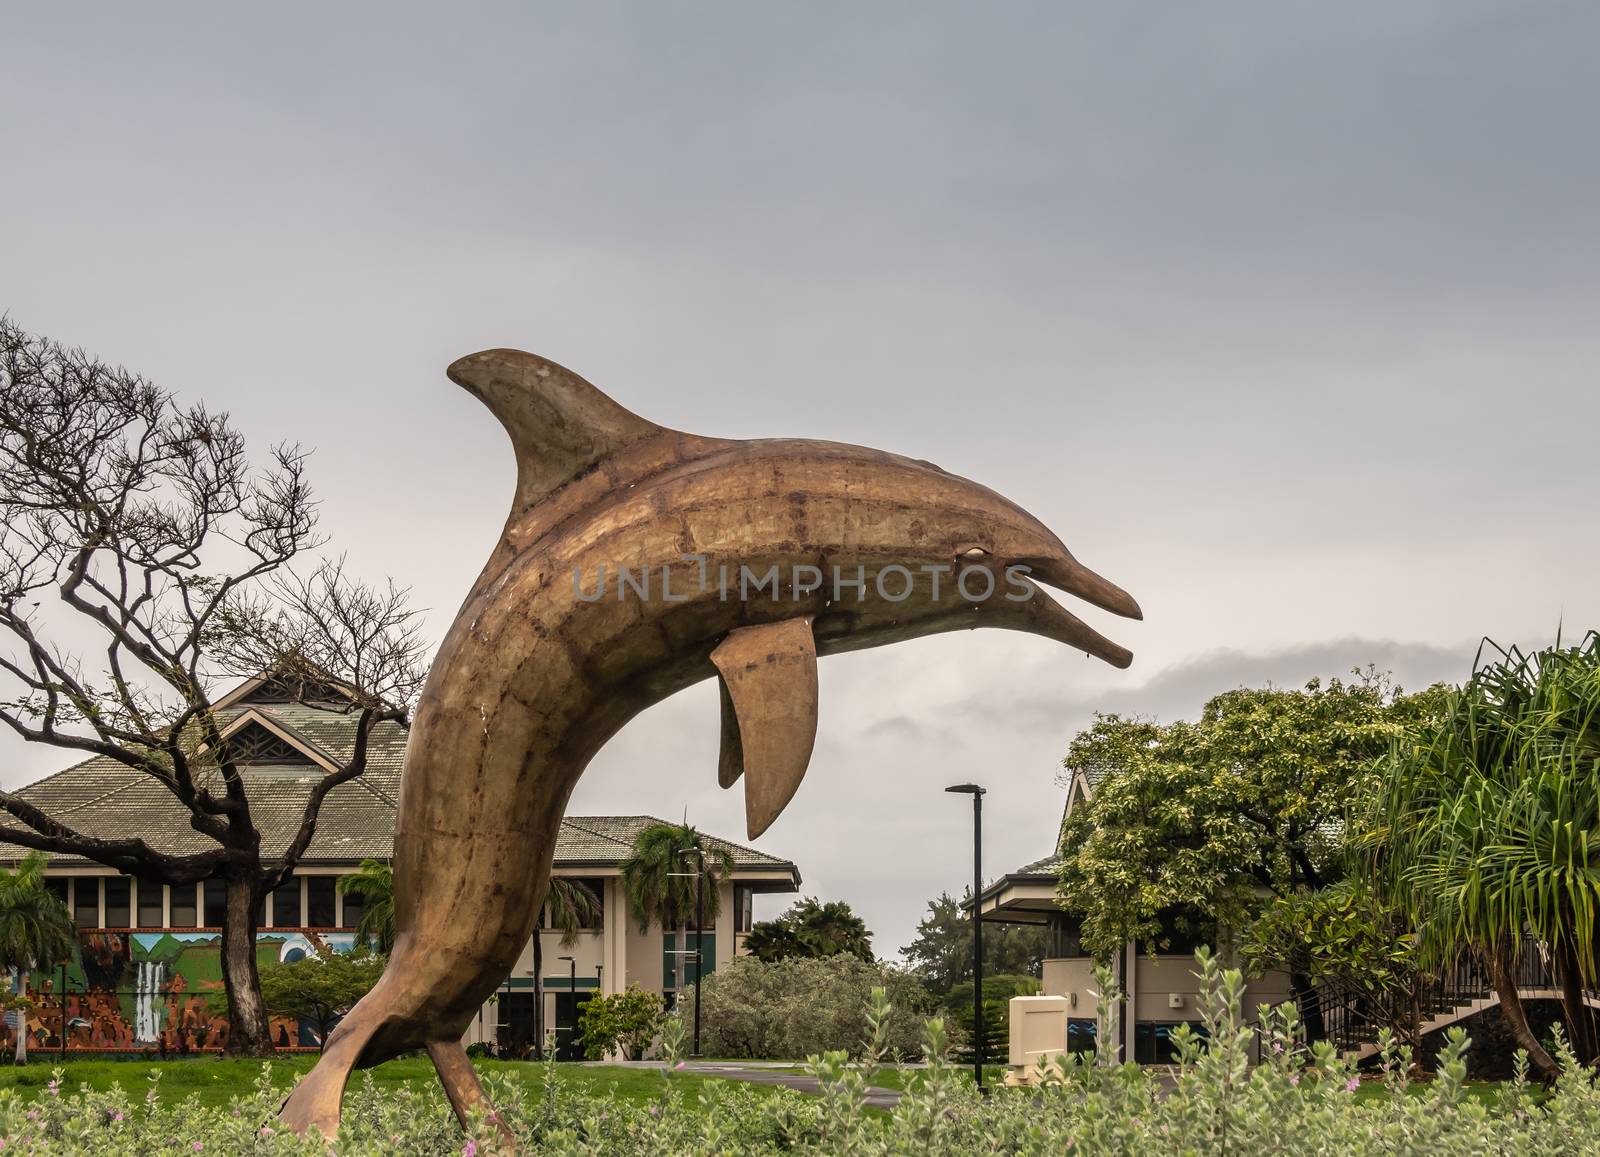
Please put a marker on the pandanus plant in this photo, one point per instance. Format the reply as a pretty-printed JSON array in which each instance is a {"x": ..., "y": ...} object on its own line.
[{"x": 1489, "y": 828}]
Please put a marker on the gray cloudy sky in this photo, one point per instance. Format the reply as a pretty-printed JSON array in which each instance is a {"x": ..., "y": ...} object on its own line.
[{"x": 1282, "y": 314}]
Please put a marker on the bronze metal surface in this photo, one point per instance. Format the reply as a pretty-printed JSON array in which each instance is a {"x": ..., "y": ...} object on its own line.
[{"x": 535, "y": 675}]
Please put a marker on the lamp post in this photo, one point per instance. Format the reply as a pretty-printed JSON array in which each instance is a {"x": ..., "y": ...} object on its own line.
[{"x": 976, "y": 793}]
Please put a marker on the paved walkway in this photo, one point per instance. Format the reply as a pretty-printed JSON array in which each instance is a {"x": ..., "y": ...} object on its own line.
[{"x": 764, "y": 1073}]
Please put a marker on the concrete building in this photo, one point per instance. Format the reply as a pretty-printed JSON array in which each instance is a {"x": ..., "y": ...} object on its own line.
[
  {"x": 150, "y": 951},
  {"x": 1160, "y": 982}
]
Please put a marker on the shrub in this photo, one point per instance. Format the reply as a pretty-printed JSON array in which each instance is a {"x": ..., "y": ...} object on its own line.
[
  {"x": 997, "y": 994},
  {"x": 1299, "y": 1101},
  {"x": 799, "y": 1006},
  {"x": 625, "y": 1022}
]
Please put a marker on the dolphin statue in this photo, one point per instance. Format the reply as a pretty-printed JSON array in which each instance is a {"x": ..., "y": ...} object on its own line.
[{"x": 741, "y": 559}]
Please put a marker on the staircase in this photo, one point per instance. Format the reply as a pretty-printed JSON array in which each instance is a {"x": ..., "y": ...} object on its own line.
[{"x": 1350, "y": 1017}]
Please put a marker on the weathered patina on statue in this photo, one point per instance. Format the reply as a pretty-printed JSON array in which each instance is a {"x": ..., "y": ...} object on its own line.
[{"x": 556, "y": 648}]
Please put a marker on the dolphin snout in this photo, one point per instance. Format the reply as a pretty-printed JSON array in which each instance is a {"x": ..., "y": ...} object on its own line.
[
  {"x": 1066, "y": 573},
  {"x": 1042, "y": 615}
]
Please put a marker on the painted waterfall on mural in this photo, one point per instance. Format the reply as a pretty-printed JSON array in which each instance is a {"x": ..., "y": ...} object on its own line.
[{"x": 156, "y": 992}]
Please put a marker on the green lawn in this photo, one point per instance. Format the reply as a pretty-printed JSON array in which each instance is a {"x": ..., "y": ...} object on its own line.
[
  {"x": 216, "y": 1081},
  {"x": 892, "y": 1077}
]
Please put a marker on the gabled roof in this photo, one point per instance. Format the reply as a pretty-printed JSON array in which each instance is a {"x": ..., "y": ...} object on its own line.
[{"x": 101, "y": 797}]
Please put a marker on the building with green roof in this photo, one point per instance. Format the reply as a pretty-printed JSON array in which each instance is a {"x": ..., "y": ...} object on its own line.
[{"x": 150, "y": 952}]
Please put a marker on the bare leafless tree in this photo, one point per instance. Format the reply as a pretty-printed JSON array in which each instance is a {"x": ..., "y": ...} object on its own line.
[{"x": 143, "y": 560}]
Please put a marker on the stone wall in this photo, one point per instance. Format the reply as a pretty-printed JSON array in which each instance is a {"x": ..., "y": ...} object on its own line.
[{"x": 1493, "y": 1046}]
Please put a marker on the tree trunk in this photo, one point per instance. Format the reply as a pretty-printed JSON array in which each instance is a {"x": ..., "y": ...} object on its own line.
[
  {"x": 249, "y": 1033},
  {"x": 1309, "y": 1004},
  {"x": 538, "y": 990},
  {"x": 21, "y": 1013},
  {"x": 1502, "y": 974},
  {"x": 679, "y": 977},
  {"x": 1580, "y": 1017}
]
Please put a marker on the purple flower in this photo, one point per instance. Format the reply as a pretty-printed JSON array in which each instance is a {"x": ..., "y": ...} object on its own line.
[
  {"x": 1294, "y": 1078},
  {"x": 470, "y": 1149},
  {"x": 199, "y": 1145},
  {"x": 266, "y": 1130},
  {"x": 1352, "y": 1085}
]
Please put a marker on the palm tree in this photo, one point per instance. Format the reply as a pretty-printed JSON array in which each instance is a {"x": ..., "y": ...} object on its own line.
[
  {"x": 658, "y": 878},
  {"x": 35, "y": 929},
  {"x": 1490, "y": 827},
  {"x": 811, "y": 929},
  {"x": 772, "y": 940},
  {"x": 374, "y": 883},
  {"x": 832, "y": 929},
  {"x": 570, "y": 906}
]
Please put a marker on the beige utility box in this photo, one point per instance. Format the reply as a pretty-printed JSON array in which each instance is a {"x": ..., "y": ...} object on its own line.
[{"x": 1038, "y": 1033}]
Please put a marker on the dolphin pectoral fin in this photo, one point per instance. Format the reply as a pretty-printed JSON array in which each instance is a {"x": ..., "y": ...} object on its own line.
[
  {"x": 730, "y": 755},
  {"x": 769, "y": 714}
]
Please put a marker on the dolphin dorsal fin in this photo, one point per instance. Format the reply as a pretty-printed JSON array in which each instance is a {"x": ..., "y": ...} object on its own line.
[
  {"x": 560, "y": 425},
  {"x": 769, "y": 714}
]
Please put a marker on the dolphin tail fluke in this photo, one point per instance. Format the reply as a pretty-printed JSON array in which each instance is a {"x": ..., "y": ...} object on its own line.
[{"x": 315, "y": 1101}]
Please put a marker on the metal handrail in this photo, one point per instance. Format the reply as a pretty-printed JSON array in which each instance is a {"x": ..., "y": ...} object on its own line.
[{"x": 1349, "y": 1017}]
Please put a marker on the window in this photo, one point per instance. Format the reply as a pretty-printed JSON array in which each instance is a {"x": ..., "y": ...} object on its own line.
[
  {"x": 744, "y": 908},
  {"x": 597, "y": 888},
  {"x": 216, "y": 903},
  {"x": 119, "y": 899},
  {"x": 1081, "y": 1033},
  {"x": 58, "y": 886},
  {"x": 86, "y": 901},
  {"x": 255, "y": 744},
  {"x": 354, "y": 905},
  {"x": 286, "y": 904},
  {"x": 1066, "y": 939},
  {"x": 150, "y": 913},
  {"x": 319, "y": 902},
  {"x": 181, "y": 903},
  {"x": 594, "y": 921},
  {"x": 1152, "y": 1040}
]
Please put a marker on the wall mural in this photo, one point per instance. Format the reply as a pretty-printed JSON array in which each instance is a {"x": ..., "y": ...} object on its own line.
[{"x": 137, "y": 992}]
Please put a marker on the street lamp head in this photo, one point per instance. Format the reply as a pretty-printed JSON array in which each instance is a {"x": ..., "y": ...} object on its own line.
[{"x": 966, "y": 789}]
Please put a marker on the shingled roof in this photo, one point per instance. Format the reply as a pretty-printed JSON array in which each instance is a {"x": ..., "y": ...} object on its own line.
[{"x": 293, "y": 743}]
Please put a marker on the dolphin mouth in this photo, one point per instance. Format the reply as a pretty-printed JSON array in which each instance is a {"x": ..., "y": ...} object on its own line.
[{"x": 1052, "y": 620}]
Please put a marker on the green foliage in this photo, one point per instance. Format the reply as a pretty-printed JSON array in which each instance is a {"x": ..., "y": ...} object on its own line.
[
  {"x": 1299, "y": 1102},
  {"x": 941, "y": 953},
  {"x": 374, "y": 883},
  {"x": 810, "y": 928},
  {"x": 802, "y": 1005},
  {"x": 625, "y": 1022},
  {"x": 572, "y": 906},
  {"x": 997, "y": 993},
  {"x": 36, "y": 930},
  {"x": 1345, "y": 934},
  {"x": 655, "y": 876},
  {"x": 1348, "y": 939},
  {"x": 1489, "y": 824},
  {"x": 1206, "y": 817},
  {"x": 320, "y": 988}
]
